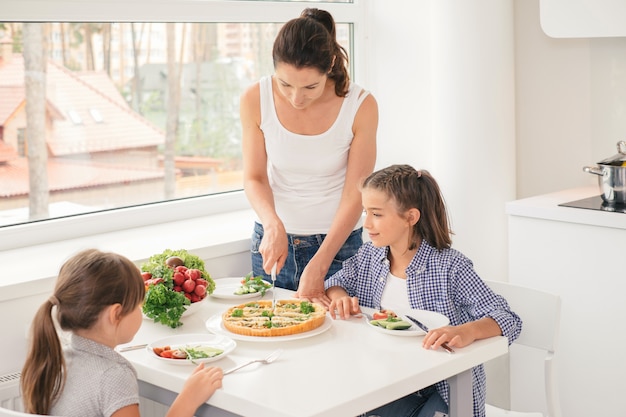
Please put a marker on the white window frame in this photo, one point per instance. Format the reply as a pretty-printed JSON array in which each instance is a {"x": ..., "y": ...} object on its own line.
[{"x": 91, "y": 224}]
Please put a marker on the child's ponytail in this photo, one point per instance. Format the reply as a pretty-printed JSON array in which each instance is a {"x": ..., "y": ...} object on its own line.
[{"x": 42, "y": 376}]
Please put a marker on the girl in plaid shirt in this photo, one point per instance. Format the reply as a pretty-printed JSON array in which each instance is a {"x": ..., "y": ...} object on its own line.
[{"x": 409, "y": 264}]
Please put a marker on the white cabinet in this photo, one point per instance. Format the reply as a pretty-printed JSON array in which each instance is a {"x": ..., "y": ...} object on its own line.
[
  {"x": 578, "y": 254},
  {"x": 583, "y": 18}
]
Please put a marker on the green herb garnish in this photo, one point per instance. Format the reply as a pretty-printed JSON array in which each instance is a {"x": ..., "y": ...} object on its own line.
[
  {"x": 164, "y": 305},
  {"x": 306, "y": 307}
]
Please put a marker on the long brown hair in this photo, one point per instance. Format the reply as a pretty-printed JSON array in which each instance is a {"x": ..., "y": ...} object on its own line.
[
  {"x": 87, "y": 283},
  {"x": 310, "y": 41},
  {"x": 410, "y": 188}
]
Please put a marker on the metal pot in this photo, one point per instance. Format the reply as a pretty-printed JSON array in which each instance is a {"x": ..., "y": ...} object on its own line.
[{"x": 611, "y": 174}]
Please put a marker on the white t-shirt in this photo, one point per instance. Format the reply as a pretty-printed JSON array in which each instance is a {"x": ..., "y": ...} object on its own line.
[
  {"x": 99, "y": 382},
  {"x": 307, "y": 172},
  {"x": 395, "y": 296}
]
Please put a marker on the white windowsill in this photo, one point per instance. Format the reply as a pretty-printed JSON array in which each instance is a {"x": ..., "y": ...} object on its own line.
[{"x": 209, "y": 227}]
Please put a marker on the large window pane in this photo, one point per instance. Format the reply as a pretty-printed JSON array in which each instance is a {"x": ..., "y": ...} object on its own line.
[{"x": 107, "y": 115}]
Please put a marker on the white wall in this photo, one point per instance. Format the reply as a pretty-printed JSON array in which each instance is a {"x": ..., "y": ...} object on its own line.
[
  {"x": 444, "y": 80},
  {"x": 570, "y": 101},
  {"x": 478, "y": 94}
]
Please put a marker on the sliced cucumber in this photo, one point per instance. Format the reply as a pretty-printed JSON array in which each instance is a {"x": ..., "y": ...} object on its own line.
[{"x": 398, "y": 325}]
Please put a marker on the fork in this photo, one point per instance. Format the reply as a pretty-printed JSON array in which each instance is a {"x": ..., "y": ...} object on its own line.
[
  {"x": 366, "y": 315},
  {"x": 269, "y": 359}
]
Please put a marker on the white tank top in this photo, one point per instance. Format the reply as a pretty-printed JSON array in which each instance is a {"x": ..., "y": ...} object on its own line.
[{"x": 307, "y": 172}]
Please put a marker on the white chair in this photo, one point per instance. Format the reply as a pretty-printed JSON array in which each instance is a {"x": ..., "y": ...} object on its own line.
[
  {"x": 510, "y": 390},
  {"x": 5, "y": 412},
  {"x": 8, "y": 412}
]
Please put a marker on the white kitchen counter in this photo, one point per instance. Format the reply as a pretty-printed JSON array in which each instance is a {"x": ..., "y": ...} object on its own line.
[
  {"x": 547, "y": 207},
  {"x": 578, "y": 254}
]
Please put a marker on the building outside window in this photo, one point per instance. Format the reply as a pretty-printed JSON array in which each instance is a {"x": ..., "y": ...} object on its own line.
[{"x": 131, "y": 112}]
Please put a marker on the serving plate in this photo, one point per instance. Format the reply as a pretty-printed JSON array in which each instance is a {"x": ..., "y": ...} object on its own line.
[
  {"x": 429, "y": 318},
  {"x": 225, "y": 289},
  {"x": 193, "y": 340},
  {"x": 214, "y": 325}
]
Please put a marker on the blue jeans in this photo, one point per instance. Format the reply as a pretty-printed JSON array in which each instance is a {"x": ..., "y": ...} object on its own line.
[
  {"x": 424, "y": 403},
  {"x": 301, "y": 250}
]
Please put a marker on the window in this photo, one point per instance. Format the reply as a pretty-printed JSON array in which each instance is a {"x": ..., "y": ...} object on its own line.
[
  {"x": 106, "y": 98},
  {"x": 73, "y": 115},
  {"x": 96, "y": 115}
]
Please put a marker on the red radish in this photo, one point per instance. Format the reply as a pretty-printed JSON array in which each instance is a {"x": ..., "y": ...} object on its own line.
[
  {"x": 193, "y": 274},
  {"x": 200, "y": 290},
  {"x": 189, "y": 285},
  {"x": 179, "y": 278},
  {"x": 153, "y": 281}
]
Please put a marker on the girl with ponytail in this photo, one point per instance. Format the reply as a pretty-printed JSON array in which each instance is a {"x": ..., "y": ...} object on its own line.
[{"x": 97, "y": 300}]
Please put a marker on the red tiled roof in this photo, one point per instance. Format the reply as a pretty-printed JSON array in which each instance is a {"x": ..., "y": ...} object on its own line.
[
  {"x": 120, "y": 128},
  {"x": 99, "y": 80},
  {"x": 7, "y": 153},
  {"x": 65, "y": 175},
  {"x": 11, "y": 97}
]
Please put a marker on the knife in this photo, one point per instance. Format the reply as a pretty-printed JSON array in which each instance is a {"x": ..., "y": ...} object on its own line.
[
  {"x": 273, "y": 287},
  {"x": 128, "y": 348},
  {"x": 425, "y": 328}
]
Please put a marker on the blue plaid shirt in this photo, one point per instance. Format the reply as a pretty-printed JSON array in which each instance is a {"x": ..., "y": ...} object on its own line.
[{"x": 443, "y": 281}]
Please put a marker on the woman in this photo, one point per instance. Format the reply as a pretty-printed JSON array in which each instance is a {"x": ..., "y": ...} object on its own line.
[{"x": 309, "y": 138}]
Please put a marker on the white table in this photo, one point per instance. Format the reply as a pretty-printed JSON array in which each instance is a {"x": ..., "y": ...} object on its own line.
[{"x": 344, "y": 371}]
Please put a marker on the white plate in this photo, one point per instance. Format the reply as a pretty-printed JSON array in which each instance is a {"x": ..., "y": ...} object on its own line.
[
  {"x": 191, "y": 340},
  {"x": 225, "y": 288},
  {"x": 214, "y": 325},
  {"x": 429, "y": 318}
]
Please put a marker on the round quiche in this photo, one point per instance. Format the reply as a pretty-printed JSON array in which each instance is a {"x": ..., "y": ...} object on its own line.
[{"x": 288, "y": 318}]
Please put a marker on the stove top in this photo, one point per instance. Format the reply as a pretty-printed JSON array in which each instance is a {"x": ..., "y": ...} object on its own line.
[{"x": 596, "y": 203}]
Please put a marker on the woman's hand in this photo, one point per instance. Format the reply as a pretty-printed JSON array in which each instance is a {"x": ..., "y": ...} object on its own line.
[
  {"x": 344, "y": 307},
  {"x": 274, "y": 247}
]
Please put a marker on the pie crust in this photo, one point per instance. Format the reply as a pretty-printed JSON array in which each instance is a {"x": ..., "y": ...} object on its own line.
[{"x": 256, "y": 319}]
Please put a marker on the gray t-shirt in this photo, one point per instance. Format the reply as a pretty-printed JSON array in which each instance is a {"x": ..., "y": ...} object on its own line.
[{"x": 99, "y": 381}]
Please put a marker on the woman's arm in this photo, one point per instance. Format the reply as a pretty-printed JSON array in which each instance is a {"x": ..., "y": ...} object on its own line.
[
  {"x": 361, "y": 161},
  {"x": 256, "y": 184}
]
